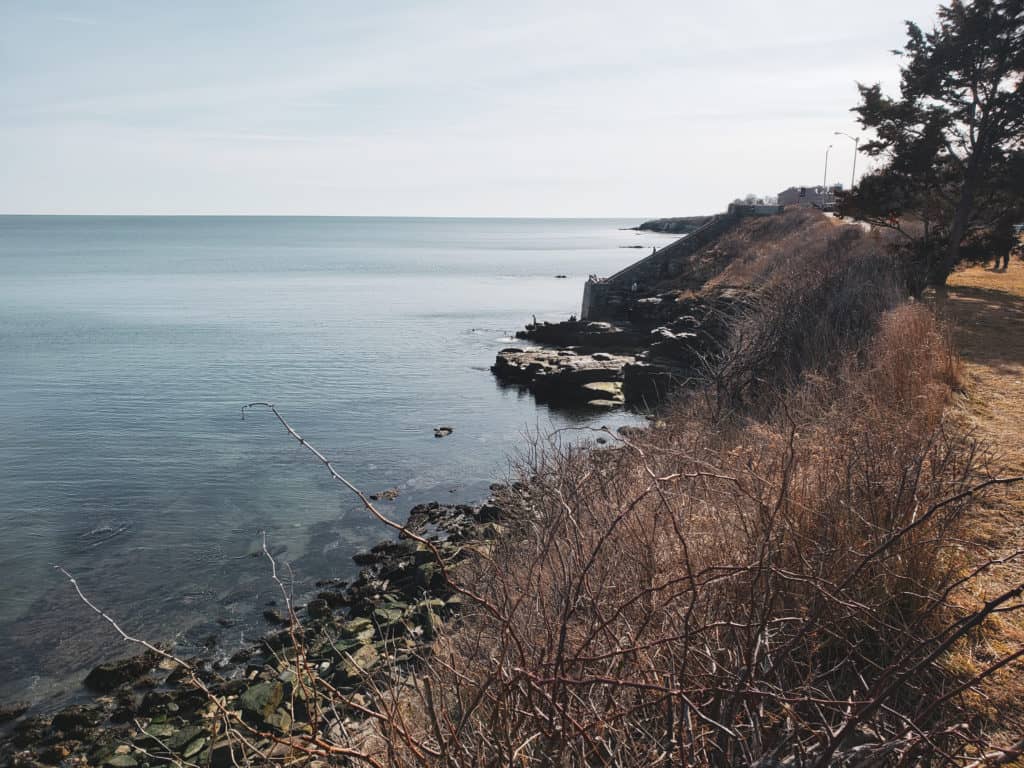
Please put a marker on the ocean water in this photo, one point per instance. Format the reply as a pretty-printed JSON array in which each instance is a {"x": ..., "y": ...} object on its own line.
[{"x": 128, "y": 346}]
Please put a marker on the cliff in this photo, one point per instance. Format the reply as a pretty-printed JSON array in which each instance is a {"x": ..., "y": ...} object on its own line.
[{"x": 680, "y": 225}]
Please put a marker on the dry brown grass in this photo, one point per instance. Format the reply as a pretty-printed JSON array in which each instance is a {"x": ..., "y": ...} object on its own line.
[
  {"x": 785, "y": 583},
  {"x": 775, "y": 592},
  {"x": 818, "y": 294},
  {"x": 986, "y": 310},
  {"x": 759, "y": 247},
  {"x": 815, "y": 577}
]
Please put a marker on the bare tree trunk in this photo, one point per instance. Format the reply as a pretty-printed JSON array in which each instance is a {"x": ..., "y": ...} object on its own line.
[{"x": 961, "y": 216}]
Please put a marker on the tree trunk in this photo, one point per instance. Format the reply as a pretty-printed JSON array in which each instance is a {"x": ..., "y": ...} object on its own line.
[{"x": 962, "y": 214}]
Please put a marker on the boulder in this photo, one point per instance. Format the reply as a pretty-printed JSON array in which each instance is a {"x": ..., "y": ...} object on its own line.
[
  {"x": 604, "y": 390},
  {"x": 179, "y": 740},
  {"x": 121, "y": 761},
  {"x": 646, "y": 384},
  {"x": 361, "y": 629},
  {"x": 76, "y": 718},
  {"x": 560, "y": 378},
  {"x": 113, "y": 674},
  {"x": 356, "y": 665},
  {"x": 318, "y": 609},
  {"x": 12, "y": 711},
  {"x": 262, "y": 699}
]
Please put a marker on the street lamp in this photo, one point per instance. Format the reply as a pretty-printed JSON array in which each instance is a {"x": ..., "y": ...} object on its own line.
[
  {"x": 824, "y": 181},
  {"x": 856, "y": 146}
]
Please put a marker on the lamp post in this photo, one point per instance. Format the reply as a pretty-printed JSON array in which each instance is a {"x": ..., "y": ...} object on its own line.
[
  {"x": 824, "y": 181},
  {"x": 856, "y": 147}
]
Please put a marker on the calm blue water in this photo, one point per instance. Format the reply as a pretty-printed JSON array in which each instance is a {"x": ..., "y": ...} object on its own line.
[{"x": 128, "y": 345}]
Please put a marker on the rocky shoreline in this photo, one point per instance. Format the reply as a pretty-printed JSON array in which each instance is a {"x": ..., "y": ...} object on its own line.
[
  {"x": 679, "y": 225},
  {"x": 147, "y": 710},
  {"x": 666, "y": 343}
]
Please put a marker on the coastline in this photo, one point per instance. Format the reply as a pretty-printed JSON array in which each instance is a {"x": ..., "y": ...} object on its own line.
[
  {"x": 129, "y": 361},
  {"x": 149, "y": 707},
  {"x": 374, "y": 639}
]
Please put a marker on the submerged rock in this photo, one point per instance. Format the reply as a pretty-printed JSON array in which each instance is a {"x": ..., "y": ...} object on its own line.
[
  {"x": 106, "y": 677},
  {"x": 12, "y": 711}
]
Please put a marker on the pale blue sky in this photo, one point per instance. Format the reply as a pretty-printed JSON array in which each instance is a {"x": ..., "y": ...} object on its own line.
[{"x": 640, "y": 108}]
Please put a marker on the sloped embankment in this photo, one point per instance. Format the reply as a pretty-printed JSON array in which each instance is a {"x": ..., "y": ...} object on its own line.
[{"x": 672, "y": 331}]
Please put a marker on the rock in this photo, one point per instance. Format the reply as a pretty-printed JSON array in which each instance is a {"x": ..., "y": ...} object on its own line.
[
  {"x": 365, "y": 558},
  {"x": 12, "y": 711},
  {"x": 318, "y": 609},
  {"x": 605, "y": 390},
  {"x": 389, "y": 494},
  {"x": 157, "y": 703},
  {"x": 489, "y": 512},
  {"x": 30, "y": 731},
  {"x": 604, "y": 405},
  {"x": 55, "y": 755},
  {"x": 262, "y": 699},
  {"x": 121, "y": 761},
  {"x": 647, "y": 384},
  {"x": 443, "y": 431},
  {"x": 280, "y": 721},
  {"x": 334, "y": 599},
  {"x": 194, "y": 747},
  {"x": 226, "y": 753},
  {"x": 427, "y": 616},
  {"x": 274, "y": 617},
  {"x": 361, "y": 629},
  {"x": 181, "y": 739},
  {"x": 77, "y": 718},
  {"x": 356, "y": 665},
  {"x": 160, "y": 731},
  {"x": 106, "y": 677},
  {"x": 558, "y": 378},
  {"x": 561, "y": 277},
  {"x": 241, "y": 656},
  {"x": 585, "y": 337},
  {"x": 429, "y": 576},
  {"x": 389, "y": 615}
]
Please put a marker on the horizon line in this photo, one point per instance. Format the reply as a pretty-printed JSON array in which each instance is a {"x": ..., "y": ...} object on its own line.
[{"x": 326, "y": 216}]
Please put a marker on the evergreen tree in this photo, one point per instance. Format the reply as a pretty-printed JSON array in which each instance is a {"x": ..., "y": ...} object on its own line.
[{"x": 952, "y": 140}]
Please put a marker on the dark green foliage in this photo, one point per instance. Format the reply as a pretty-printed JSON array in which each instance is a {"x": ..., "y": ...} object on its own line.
[{"x": 952, "y": 140}]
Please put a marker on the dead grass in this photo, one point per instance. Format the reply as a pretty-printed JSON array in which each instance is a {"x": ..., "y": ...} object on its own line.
[
  {"x": 763, "y": 592},
  {"x": 986, "y": 310}
]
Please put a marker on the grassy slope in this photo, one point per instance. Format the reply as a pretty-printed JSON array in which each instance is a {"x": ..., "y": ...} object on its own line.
[{"x": 986, "y": 309}]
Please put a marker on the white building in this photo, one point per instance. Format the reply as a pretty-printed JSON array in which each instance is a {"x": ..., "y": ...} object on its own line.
[{"x": 817, "y": 196}]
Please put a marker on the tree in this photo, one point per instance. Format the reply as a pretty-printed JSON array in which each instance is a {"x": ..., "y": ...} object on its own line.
[{"x": 953, "y": 138}]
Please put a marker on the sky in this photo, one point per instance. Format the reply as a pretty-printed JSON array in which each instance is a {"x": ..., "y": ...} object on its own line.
[{"x": 559, "y": 108}]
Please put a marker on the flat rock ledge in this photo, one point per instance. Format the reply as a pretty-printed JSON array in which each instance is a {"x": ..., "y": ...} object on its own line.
[
  {"x": 564, "y": 376},
  {"x": 664, "y": 346},
  {"x": 598, "y": 380}
]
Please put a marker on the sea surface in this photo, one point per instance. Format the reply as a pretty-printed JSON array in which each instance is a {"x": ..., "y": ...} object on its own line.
[{"x": 128, "y": 346}]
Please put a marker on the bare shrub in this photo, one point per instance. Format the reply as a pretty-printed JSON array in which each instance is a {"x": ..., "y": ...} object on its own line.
[
  {"x": 783, "y": 587},
  {"x": 815, "y": 306},
  {"x": 775, "y": 593}
]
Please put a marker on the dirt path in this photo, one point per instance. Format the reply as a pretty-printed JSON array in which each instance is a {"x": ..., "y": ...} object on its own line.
[{"x": 986, "y": 309}]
